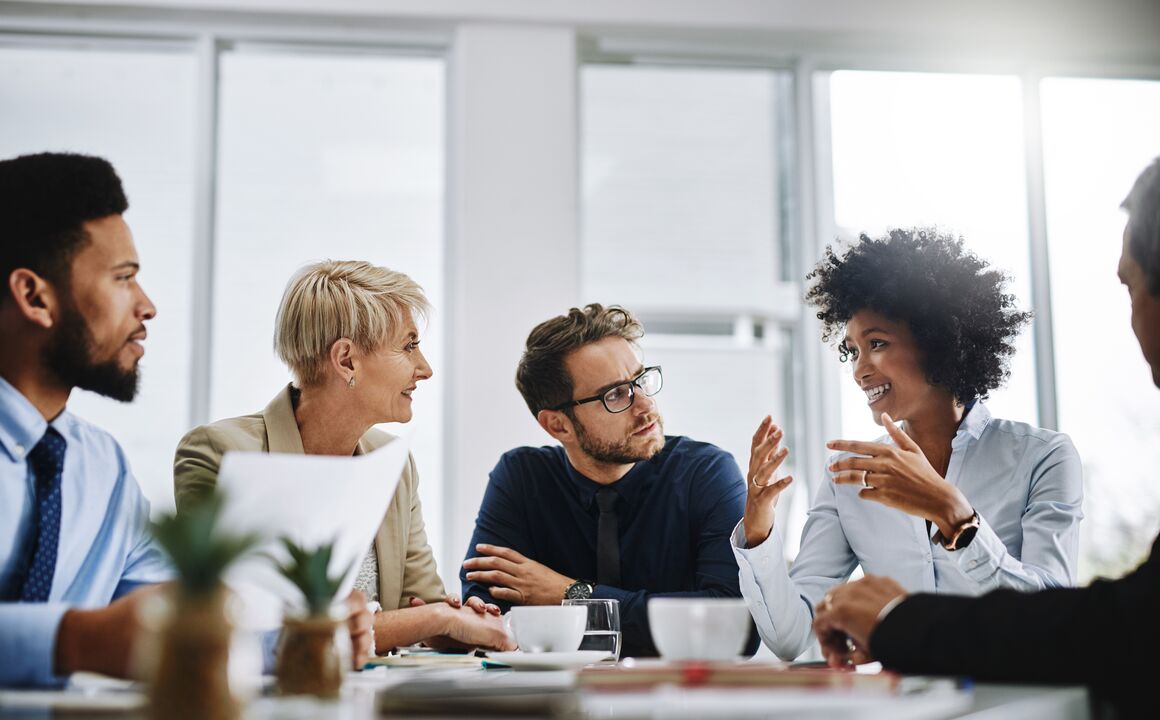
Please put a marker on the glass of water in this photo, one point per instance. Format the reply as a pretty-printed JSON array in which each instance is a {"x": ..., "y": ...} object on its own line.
[{"x": 603, "y": 629}]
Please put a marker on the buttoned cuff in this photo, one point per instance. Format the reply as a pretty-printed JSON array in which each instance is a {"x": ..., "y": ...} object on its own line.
[
  {"x": 980, "y": 560},
  {"x": 28, "y": 643}
]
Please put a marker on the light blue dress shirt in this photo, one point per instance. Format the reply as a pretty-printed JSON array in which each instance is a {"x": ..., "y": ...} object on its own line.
[
  {"x": 1025, "y": 482},
  {"x": 105, "y": 549}
]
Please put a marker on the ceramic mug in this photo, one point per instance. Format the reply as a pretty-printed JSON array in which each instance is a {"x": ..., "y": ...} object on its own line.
[
  {"x": 699, "y": 628},
  {"x": 546, "y": 628}
]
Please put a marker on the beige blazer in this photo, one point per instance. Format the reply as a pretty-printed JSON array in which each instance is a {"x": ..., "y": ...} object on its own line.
[{"x": 406, "y": 563}]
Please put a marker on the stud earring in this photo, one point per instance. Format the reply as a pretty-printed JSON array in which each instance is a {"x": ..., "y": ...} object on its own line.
[{"x": 350, "y": 383}]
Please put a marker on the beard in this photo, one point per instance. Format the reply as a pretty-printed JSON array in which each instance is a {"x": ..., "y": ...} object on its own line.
[
  {"x": 69, "y": 355},
  {"x": 615, "y": 452}
]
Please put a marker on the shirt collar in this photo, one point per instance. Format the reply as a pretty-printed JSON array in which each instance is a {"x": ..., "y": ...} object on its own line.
[
  {"x": 976, "y": 418},
  {"x": 21, "y": 424},
  {"x": 631, "y": 487}
]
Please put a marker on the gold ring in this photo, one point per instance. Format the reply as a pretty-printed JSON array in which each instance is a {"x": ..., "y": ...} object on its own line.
[{"x": 827, "y": 601}]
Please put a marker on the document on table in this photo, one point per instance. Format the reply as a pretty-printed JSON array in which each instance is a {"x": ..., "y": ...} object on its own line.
[{"x": 312, "y": 500}]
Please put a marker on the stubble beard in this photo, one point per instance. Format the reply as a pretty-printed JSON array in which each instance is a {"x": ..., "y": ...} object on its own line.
[
  {"x": 615, "y": 452},
  {"x": 69, "y": 355}
]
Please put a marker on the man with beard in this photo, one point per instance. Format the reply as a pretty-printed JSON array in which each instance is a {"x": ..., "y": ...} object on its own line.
[
  {"x": 1100, "y": 635},
  {"x": 74, "y": 541},
  {"x": 617, "y": 509}
]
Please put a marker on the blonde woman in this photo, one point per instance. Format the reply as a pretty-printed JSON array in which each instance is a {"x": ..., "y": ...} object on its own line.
[{"x": 347, "y": 330}]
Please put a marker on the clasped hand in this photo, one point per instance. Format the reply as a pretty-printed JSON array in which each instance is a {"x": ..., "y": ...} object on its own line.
[
  {"x": 513, "y": 578},
  {"x": 900, "y": 476}
]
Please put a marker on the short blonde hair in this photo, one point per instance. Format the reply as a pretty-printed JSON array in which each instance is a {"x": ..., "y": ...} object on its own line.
[{"x": 335, "y": 299}]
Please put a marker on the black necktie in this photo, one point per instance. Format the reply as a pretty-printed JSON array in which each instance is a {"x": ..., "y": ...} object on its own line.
[
  {"x": 607, "y": 539},
  {"x": 47, "y": 463}
]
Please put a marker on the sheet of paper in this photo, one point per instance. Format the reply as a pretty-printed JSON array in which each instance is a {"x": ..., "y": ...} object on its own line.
[{"x": 311, "y": 499}]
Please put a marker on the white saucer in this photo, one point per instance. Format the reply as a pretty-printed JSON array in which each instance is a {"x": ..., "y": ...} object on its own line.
[{"x": 548, "y": 660}]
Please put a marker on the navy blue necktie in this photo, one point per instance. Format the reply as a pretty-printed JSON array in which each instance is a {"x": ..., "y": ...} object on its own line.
[
  {"x": 607, "y": 538},
  {"x": 47, "y": 462}
]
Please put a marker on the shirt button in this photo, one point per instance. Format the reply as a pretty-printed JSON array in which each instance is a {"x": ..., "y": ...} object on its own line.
[{"x": 19, "y": 450}]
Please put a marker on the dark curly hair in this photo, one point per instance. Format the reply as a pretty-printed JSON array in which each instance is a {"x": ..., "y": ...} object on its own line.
[{"x": 963, "y": 321}]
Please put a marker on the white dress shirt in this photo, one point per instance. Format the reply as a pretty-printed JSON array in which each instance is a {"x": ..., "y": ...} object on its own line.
[{"x": 1025, "y": 482}]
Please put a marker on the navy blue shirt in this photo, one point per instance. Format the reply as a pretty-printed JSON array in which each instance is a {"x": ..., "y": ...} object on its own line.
[{"x": 675, "y": 514}]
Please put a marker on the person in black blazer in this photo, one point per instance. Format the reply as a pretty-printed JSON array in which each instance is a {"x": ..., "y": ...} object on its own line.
[{"x": 1105, "y": 635}]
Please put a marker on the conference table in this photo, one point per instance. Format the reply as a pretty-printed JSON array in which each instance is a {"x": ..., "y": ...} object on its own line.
[{"x": 467, "y": 692}]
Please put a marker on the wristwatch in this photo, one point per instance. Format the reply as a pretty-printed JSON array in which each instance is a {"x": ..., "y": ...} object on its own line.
[
  {"x": 579, "y": 590},
  {"x": 962, "y": 536}
]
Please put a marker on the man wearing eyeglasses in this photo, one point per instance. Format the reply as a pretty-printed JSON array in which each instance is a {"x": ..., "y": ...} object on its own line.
[{"x": 617, "y": 509}]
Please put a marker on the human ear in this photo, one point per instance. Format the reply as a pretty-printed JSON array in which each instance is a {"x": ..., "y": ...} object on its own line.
[
  {"x": 35, "y": 297},
  {"x": 342, "y": 358},
  {"x": 556, "y": 423}
]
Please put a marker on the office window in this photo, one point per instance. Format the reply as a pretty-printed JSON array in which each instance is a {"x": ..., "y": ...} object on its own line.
[
  {"x": 134, "y": 107},
  {"x": 1098, "y": 135},
  {"x": 326, "y": 157},
  {"x": 683, "y": 222},
  {"x": 914, "y": 149}
]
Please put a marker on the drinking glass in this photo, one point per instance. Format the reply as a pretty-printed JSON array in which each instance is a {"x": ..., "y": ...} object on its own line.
[{"x": 603, "y": 629}]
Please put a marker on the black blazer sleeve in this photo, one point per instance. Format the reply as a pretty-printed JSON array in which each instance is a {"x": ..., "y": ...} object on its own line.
[{"x": 1098, "y": 635}]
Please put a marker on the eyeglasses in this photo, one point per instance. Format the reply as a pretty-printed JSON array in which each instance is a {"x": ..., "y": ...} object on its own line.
[{"x": 620, "y": 397}]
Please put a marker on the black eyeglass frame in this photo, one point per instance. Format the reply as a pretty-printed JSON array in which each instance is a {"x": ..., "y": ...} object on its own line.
[{"x": 631, "y": 384}]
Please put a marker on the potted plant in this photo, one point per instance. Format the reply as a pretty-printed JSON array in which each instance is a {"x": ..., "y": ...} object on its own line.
[
  {"x": 314, "y": 650},
  {"x": 191, "y": 679}
]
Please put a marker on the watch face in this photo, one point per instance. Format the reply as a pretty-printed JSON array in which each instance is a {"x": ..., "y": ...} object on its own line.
[
  {"x": 579, "y": 590},
  {"x": 966, "y": 536}
]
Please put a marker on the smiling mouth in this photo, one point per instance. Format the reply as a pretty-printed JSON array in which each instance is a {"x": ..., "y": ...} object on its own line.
[
  {"x": 407, "y": 393},
  {"x": 876, "y": 393}
]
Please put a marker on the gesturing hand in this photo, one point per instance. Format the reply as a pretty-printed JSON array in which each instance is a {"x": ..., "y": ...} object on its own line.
[
  {"x": 847, "y": 616},
  {"x": 899, "y": 476},
  {"x": 765, "y": 456},
  {"x": 515, "y": 578}
]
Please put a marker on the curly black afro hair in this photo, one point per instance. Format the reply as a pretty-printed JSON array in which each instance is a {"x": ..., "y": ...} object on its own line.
[{"x": 963, "y": 321}]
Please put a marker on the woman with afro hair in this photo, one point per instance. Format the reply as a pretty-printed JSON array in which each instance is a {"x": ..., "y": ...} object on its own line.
[{"x": 951, "y": 500}]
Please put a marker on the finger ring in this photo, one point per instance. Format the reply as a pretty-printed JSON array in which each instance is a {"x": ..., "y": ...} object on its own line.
[
  {"x": 827, "y": 601},
  {"x": 864, "y": 479}
]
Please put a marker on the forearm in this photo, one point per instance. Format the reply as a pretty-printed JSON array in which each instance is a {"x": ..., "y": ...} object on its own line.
[
  {"x": 1064, "y": 635},
  {"x": 780, "y": 612},
  {"x": 407, "y": 626}
]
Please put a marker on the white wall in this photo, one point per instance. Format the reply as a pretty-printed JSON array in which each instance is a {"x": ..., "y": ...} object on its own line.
[{"x": 512, "y": 246}]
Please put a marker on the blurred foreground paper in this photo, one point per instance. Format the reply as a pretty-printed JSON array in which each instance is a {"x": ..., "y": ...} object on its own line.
[{"x": 311, "y": 499}]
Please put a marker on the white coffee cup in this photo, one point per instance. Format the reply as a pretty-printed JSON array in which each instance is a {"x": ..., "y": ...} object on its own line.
[
  {"x": 699, "y": 628},
  {"x": 546, "y": 628}
]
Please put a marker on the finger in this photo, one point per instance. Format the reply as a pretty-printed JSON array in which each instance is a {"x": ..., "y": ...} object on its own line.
[
  {"x": 493, "y": 577},
  {"x": 852, "y": 477},
  {"x": 506, "y": 594},
  {"x": 857, "y": 462},
  {"x": 490, "y": 563},
  {"x": 493, "y": 609},
  {"x": 774, "y": 489},
  {"x": 762, "y": 429},
  {"x": 766, "y": 469},
  {"x": 901, "y": 439},
  {"x": 453, "y": 601},
  {"x": 416, "y": 602},
  {"x": 499, "y": 551},
  {"x": 859, "y": 447},
  {"x": 860, "y": 656},
  {"x": 477, "y": 604},
  {"x": 764, "y": 451}
]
